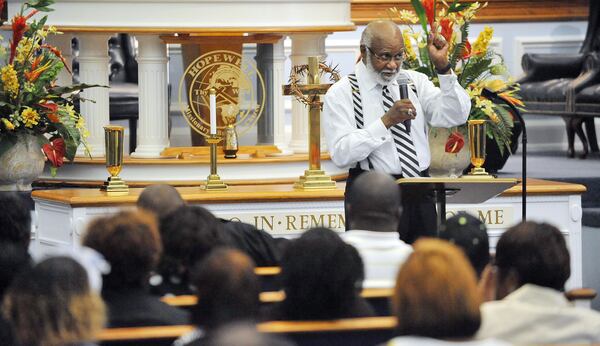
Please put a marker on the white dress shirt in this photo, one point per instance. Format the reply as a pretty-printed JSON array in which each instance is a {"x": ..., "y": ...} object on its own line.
[
  {"x": 538, "y": 315},
  {"x": 446, "y": 106},
  {"x": 382, "y": 253}
]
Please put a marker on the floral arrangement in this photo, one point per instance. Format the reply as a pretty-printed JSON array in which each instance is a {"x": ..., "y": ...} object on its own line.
[
  {"x": 30, "y": 101},
  {"x": 476, "y": 65}
]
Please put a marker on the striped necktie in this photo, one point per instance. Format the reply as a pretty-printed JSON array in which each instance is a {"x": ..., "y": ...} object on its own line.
[{"x": 404, "y": 144}]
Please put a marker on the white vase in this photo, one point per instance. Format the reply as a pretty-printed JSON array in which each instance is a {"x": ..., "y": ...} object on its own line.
[
  {"x": 445, "y": 164},
  {"x": 21, "y": 164}
]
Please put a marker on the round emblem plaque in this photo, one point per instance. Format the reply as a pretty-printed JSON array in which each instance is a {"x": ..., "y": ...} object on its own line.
[{"x": 240, "y": 88}]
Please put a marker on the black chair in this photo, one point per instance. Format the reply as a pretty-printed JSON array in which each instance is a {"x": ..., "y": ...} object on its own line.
[{"x": 563, "y": 85}]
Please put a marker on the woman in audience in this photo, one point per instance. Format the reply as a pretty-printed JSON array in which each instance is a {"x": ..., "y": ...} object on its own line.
[
  {"x": 52, "y": 304},
  {"x": 130, "y": 242},
  {"x": 322, "y": 279},
  {"x": 188, "y": 234},
  {"x": 227, "y": 291},
  {"x": 436, "y": 299}
]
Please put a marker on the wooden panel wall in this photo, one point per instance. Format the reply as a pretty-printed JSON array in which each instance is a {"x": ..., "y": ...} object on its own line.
[{"x": 364, "y": 11}]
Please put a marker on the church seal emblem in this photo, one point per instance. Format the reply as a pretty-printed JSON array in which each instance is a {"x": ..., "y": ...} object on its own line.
[{"x": 240, "y": 88}]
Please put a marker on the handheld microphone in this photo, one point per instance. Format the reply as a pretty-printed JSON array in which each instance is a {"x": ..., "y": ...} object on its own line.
[{"x": 403, "y": 89}]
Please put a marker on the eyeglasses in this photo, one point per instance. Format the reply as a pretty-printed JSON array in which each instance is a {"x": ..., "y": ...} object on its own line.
[{"x": 387, "y": 57}]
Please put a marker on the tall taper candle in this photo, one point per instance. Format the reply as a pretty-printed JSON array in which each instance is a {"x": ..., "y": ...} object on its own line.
[{"x": 213, "y": 111}]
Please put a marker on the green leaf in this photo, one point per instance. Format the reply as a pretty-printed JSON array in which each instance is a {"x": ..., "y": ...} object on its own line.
[
  {"x": 40, "y": 5},
  {"x": 71, "y": 137},
  {"x": 457, "y": 7},
  {"x": 420, "y": 11},
  {"x": 73, "y": 88}
]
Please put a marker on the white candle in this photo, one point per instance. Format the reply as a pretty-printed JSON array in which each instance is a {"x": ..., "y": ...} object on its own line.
[{"x": 213, "y": 111}]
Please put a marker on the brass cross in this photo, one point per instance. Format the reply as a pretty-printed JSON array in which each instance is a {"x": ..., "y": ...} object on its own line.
[{"x": 314, "y": 177}]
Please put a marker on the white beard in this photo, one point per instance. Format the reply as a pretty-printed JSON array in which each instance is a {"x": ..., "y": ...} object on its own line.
[{"x": 379, "y": 77}]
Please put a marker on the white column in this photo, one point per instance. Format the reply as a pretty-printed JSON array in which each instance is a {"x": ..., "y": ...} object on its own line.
[
  {"x": 63, "y": 43},
  {"x": 93, "y": 69},
  {"x": 279, "y": 79},
  {"x": 153, "y": 129},
  {"x": 303, "y": 46}
]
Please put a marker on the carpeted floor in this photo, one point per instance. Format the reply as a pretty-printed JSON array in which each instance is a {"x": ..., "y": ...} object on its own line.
[{"x": 556, "y": 166}]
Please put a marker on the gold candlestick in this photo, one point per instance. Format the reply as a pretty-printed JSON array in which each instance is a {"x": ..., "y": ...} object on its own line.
[
  {"x": 477, "y": 139},
  {"x": 113, "y": 141},
  {"x": 213, "y": 181}
]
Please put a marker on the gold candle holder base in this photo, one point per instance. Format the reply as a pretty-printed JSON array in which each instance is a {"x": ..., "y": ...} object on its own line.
[
  {"x": 478, "y": 172},
  {"x": 213, "y": 181},
  {"x": 115, "y": 186},
  {"x": 315, "y": 179}
]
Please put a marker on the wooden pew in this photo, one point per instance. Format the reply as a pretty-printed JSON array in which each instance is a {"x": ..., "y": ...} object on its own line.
[
  {"x": 379, "y": 298},
  {"x": 348, "y": 332}
]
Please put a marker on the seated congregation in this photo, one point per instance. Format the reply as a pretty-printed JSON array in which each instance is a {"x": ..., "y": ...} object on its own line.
[{"x": 119, "y": 287}]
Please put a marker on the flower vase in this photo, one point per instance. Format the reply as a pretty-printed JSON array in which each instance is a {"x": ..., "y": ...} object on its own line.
[
  {"x": 443, "y": 163},
  {"x": 21, "y": 164}
]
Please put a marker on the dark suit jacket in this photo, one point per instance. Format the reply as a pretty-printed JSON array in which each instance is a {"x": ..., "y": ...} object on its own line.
[{"x": 137, "y": 308}]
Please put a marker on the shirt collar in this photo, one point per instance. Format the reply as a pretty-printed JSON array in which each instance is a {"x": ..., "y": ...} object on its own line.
[
  {"x": 367, "y": 79},
  {"x": 538, "y": 295}
]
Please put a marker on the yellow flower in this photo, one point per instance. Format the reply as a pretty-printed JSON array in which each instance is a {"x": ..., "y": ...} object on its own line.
[
  {"x": 25, "y": 49},
  {"x": 70, "y": 111},
  {"x": 483, "y": 40},
  {"x": 7, "y": 124},
  {"x": 408, "y": 47},
  {"x": 9, "y": 80},
  {"x": 404, "y": 15},
  {"x": 495, "y": 84},
  {"x": 30, "y": 117}
]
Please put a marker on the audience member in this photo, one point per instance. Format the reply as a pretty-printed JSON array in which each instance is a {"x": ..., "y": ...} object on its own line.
[
  {"x": 188, "y": 234},
  {"x": 244, "y": 334},
  {"x": 258, "y": 244},
  {"x": 13, "y": 260},
  {"x": 160, "y": 199},
  {"x": 374, "y": 210},
  {"x": 322, "y": 279},
  {"x": 227, "y": 291},
  {"x": 15, "y": 220},
  {"x": 436, "y": 299},
  {"x": 470, "y": 234},
  {"x": 532, "y": 265},
  {"x": 130, "y": 242},
  {"x": 52, "y": 304}
]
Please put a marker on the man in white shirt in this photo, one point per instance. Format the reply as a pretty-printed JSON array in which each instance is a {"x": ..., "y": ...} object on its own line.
[
  {"x": 532, "y": 265},
  {"x": 375, "y": 209},
  {"x": 368, "y": 127}
]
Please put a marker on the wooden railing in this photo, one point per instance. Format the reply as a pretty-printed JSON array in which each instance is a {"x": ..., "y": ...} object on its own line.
[{"x": 364, "y": 11}]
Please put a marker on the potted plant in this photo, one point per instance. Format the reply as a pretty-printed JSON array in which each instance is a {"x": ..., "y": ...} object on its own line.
[
  {"x": 38, "y": 121},
  {"x": 477, "y": 67}
]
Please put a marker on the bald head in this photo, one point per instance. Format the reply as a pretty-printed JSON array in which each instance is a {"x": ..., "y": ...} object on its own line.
[
  {"x": 380, "y": 33},
  {"x": 160, "y": 199},
  {"x": 374, "y": 203}
]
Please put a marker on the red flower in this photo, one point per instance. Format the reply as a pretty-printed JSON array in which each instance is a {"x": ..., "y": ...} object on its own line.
[
  {"x": 53, "y": 109},
  {"x": 466, "y": 53},
  {"x": 19, "y": 25},
  {"x": 55, "y": 152},
  {"x": 446, "y": 25},
  {"x": 455, "y": 143},
  {"x": 429, "y": 5},
  {"x": 58, "y": 54}
]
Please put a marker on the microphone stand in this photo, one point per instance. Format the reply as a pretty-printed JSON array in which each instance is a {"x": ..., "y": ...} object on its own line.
[{"x": 495, "y": 96}]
